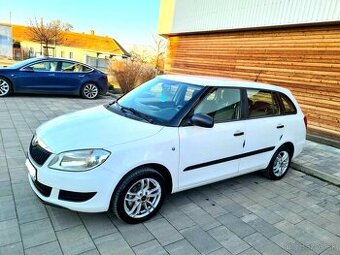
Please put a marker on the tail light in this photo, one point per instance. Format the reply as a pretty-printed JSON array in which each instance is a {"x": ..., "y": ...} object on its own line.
[{"x": 305, "y": 121}]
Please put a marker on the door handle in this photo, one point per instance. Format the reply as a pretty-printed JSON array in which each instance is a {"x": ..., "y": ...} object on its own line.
[
  {"x": 238, "y": 133},
  {"x": 280, "y": 126},
  {"x": 51, "y": 74},
  {"x": 81, "y": 76}
]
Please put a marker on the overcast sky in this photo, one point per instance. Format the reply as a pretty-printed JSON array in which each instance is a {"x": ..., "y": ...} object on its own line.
[{"x": 129, "y": 21}]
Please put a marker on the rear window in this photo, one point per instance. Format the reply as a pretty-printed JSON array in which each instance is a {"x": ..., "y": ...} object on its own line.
[
  {"x": 261, "y": 103},
  {"x": 288, "y": 106}
]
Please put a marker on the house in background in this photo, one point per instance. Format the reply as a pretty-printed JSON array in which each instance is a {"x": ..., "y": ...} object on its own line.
[
  {"x": 5, "y": 41},
  {"x": 295, "y": 44},
  {"x": 92, "y": 49}
]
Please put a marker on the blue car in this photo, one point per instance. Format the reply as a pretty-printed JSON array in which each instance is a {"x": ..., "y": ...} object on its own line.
[{"x": 53, "y": 76}]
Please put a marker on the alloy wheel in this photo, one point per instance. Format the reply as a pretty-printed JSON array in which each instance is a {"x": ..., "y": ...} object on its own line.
[
  {"x": 142, "y": 198},
  {"x": 281, "y": 163},
  {"x": 90, "y": 91},
  {"x": 4, "y": 87}
]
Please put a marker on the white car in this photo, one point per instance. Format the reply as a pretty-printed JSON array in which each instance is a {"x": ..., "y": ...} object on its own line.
[{"x": 170, "y": 134}]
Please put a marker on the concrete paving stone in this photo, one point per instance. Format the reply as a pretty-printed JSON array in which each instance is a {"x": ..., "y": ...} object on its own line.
[
  {"x": 63, "y": 218},
  {"x": 320, "y": 233},
  {"x": 9, "y": 232},
  {"x": 16, "y": 162},
  {"x": 176, "y": 217},
  {"x": 236, "y": 225},
  {"x": 5, "y": 188},
  {"x": 264, "y": 245},
  {"x": 150, "y": 247},
  {"x": 199, "y": 216},
  {"x": 260, "y": 225},
  {"x": 285, "y": 213},
  {"x": 250, "y": 251},
  {"x": 91, "y": 252},
  {"x": 30, "y": 209},
  {"x": 98, "y": 224},
  {"x": 292, "y": 246},
  {"x": 18, "y": 175},
  {"x": 265, "y": 214},
  {"x": 181, "y": 247},
  {"x": 303, "y": 236},
  {"x": 75, "y": 240},
  {"x": 12, "y": 249},
  {"x": 51, "y": 248},
  {"x": 4, "y": 175},
  {"x": 133, "y": 234},
  {"x": 330, "y": 251},
  {"x": 163, "y": 231},
  {"x": 113, "y": 244},
  {"x": 7, "y": 208},
  {"x": 37, "y": 232},
  {"x": 200, "y": 239},
  {"x": 221, "y": 251},
  {"x": 229, "y": 240}
]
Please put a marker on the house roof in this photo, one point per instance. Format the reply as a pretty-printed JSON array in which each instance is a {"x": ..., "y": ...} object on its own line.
[{"x": 96, "y": 43}]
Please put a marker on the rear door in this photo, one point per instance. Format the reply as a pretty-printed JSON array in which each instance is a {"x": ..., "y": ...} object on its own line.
[
  {"x": 264, "y": 129},
  {"x": 72, "y": 75}
]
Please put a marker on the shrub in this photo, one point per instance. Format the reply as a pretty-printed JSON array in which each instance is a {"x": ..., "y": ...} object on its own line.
[{"x": 131, "y": 73}]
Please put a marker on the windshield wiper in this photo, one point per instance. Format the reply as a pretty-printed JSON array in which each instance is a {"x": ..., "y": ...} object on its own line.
[{"x": 134, "y": 112}]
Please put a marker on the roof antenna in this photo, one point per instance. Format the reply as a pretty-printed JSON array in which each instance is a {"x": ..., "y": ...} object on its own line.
[{"x": 257, "y": 76}]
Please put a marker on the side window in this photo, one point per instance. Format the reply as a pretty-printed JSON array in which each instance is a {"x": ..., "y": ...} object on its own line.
[
  {"x": 73, "y": 67},
  {"x": 46, "y": 66},
  {"x": 288, "y": 105},
  {"x": 223, "y": 104},
  {"x": 262, "y": 103}
]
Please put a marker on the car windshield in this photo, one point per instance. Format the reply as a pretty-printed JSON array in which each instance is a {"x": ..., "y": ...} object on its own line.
[{"x": 159, "y": 99}]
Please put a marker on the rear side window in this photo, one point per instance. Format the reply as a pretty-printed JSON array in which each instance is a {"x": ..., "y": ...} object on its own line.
[
  {"x": 288, "y": 106},
  {"x": 262, "y": 103}
]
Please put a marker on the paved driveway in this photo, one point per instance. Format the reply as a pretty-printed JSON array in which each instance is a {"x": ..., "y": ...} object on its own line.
[{"x": 245, "y": 215}]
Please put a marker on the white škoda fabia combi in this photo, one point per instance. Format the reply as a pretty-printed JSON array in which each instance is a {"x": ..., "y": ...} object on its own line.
[{"x": 170, "y": 134}]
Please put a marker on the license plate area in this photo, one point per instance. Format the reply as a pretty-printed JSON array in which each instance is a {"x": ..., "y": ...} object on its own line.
[{"x": 31, "y": 169}]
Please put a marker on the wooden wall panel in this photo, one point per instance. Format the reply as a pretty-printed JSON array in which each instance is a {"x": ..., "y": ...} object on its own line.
[{"x": 305, "y": 60}]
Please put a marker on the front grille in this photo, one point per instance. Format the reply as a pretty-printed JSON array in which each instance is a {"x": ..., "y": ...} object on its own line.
[
  {"x": 75, "y": 196},
  {"x": 42, "y": 188},
  {"x": 38, "y": 154}
]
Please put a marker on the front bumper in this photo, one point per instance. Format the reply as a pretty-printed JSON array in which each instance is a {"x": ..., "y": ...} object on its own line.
[{"x": 89, "y": 191}]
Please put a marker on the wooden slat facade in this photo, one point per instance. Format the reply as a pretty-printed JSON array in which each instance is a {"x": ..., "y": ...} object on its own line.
[{"x": 305, "y": 60}]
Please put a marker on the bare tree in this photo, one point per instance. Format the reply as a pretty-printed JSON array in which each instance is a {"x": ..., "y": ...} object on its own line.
[
  {"x": 159, "y": 49},
  {"x": 50, "y": 33}
]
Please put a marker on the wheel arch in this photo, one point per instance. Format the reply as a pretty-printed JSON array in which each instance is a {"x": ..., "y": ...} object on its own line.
[
  {"x": 290, "y": 146},
  {"x": 9, "y": 80},
  {"x": 159, "y": 168}
]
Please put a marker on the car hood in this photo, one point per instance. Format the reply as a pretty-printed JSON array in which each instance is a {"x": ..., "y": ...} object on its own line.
[{"x": 92, "y": 128}]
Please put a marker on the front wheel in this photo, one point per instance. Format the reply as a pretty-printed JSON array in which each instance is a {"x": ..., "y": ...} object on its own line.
[
  {"x": 90, "y": 91},
  {"x": 139, "y": 196},
  {"x": 279, "y": 163},
  {"x": 5, "y": 87}
]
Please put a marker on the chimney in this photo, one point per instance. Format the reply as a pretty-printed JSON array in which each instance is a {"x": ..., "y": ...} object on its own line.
[{"x": 92, "y": 32}]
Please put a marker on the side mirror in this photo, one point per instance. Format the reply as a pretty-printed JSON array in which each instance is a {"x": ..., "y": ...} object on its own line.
[
  {"x": 28, "y": 69},
  {"x": 202, "y": 120}
]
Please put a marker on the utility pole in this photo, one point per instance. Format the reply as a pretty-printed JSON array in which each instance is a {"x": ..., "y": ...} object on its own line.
[{"x": 10, "y": 18}]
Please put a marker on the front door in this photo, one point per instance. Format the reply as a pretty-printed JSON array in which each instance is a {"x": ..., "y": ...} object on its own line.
[
  {"x": 40, "y": 77},
  {"x": 210, "y": 154}
]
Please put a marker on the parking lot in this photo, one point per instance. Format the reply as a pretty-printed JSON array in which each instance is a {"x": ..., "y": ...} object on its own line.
[{"x": 246, "y": 215}]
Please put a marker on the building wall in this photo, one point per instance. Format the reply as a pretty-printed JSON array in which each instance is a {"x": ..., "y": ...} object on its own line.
[
  {"x": 179, "y": 16},
  {"x": 32, "y": 49},
  {"x": 305, "y": 60},
  {"x": 5, "y": 41}
]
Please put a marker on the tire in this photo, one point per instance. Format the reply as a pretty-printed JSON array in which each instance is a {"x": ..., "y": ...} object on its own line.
[
  {"x": 141, "y": 203},
  {"x": 276, "y": 169},
  {"x": 5, "y": 87},
  {"x": 90, "y": 91}
]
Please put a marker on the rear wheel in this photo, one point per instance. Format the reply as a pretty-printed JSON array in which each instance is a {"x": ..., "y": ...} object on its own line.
[
  {"x": 139, "y": 196},
  {"x": 90, "y": 91},
  {"x": 5, "y": 87},
  {"x": 279, "y": 163}
]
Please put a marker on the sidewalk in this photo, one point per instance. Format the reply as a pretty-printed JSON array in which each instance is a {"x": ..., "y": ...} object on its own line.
[{"x": 319, "y": 160}]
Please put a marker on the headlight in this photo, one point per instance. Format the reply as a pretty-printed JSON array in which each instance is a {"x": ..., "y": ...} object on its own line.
[{"x": 79, "y": 160}]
